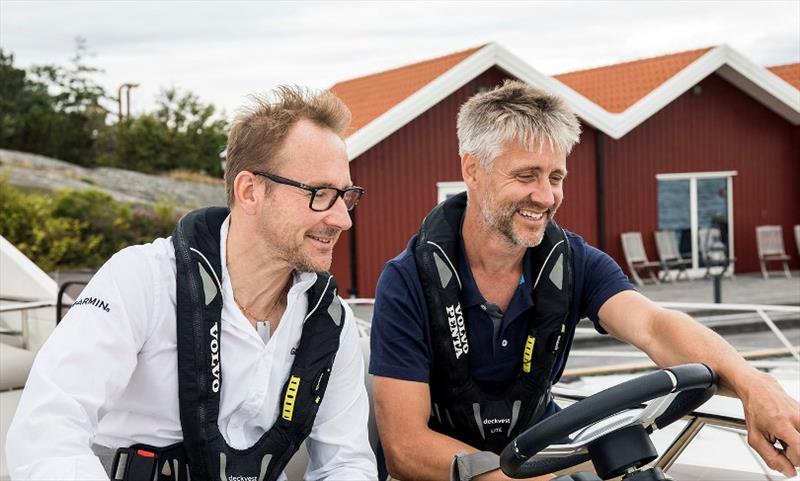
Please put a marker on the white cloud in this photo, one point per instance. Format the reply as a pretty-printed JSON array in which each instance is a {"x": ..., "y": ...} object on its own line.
[{"x": 222, "y": 51}]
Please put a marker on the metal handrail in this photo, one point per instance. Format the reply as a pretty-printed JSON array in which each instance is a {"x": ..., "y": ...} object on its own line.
[
  {"x": 24, "y": 306},
  {"x": 60, "y": 298},
  {"x": 759, "y": 309}
]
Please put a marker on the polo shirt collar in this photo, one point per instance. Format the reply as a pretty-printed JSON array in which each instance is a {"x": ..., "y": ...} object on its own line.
[{"x": 471, "y": 295}]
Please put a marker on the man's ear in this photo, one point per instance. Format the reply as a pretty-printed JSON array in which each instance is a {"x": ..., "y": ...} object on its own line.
[
  {"x": 247, "y": 191},
  {"x": 470, "y": 169}
]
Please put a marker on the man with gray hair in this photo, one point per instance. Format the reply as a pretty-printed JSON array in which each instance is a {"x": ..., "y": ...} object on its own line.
[
  {"x": 473, "y": 321},
  {"x": 220, "y": 350}
]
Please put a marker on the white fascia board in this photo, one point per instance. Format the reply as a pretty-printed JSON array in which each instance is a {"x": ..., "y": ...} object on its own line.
[
  {"x": 489, "y": 56},
  {"x": 763, "y": 85},
  {"x": 754, "y": 79},
  {"x": 670, "y": 90},
  {"x": 584, "y": 108},
  {"x": 419, "y": 102}
]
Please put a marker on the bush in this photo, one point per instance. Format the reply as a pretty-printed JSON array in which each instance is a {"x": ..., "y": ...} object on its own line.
[{"x": 77, "y": 229}]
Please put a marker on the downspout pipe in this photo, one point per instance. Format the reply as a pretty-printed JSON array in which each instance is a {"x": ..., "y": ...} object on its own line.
[
  {"x": 353, "y": 291},
  {"x": 600, "y": 176}
]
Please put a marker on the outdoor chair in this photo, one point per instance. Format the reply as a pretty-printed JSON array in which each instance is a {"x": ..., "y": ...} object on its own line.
[
  {"x": 769, "y": 239},
  {"x": 636, "y": 257},
  {"x": 670, "y": 256},
  {"x": 709, "y": 239},
  {"x": 797, "y": 237}
]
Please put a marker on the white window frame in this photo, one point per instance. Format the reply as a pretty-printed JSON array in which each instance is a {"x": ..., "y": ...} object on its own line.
[
  {"x": 449, "y": 188},
  {"x": 692, "y": 177}
]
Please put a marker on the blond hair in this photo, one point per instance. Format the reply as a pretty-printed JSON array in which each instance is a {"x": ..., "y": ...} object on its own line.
[
  {"x": 259, "y": 129},
  {"x": 515, "y": 112}
]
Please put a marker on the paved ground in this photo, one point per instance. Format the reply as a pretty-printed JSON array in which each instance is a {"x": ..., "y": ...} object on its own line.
[{"x": 748, "y": 288}]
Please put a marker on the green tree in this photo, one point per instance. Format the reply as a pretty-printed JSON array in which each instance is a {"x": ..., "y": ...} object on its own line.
[
  {"x": 58, "y": 112},
  {"x": 26, "y": 110},
  {"x": 182, "y": 133},
  {"x": 51, "y": 110}
]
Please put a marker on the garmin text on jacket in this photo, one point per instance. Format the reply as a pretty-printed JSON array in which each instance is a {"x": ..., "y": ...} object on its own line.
[{"x": 93, "y": 301}]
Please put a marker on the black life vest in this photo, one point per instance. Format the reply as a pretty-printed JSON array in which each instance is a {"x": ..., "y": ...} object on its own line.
[
  {"x": 461, "y": 409},
  {"x": 199, "y": 336}
]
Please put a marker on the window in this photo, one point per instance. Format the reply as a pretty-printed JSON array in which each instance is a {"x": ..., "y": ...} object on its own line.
[
  {"x": 449, "y": 189},
  {"x": 698, "y": 208}
]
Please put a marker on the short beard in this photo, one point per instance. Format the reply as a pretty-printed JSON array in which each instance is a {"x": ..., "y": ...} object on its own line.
[
  {"x": 501, "y": 219},
  {"x": 293, "y": 255},
  {"x": 301, "y": 262}
]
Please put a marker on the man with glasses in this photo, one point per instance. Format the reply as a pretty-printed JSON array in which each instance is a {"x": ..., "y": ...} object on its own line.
[{"x": 213, "y": 354}]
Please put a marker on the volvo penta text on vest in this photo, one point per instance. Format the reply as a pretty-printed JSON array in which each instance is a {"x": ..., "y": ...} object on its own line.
[{"x": 457, "y": 331}]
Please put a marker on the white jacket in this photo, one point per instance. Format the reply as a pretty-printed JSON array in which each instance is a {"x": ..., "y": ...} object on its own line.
[{"x": 108, "y": 375}]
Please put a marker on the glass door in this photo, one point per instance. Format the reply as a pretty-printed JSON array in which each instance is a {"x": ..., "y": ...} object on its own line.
[
  {"x": 697, "y": 208},
  {"x": 712, "y": 216}
]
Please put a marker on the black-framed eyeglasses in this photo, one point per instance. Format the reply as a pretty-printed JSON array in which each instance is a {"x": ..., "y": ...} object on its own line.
[{"x": 322, "y": 198}]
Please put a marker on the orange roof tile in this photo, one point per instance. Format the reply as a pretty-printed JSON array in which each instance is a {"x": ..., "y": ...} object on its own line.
[
  {"x": 370, "y": 96},
  {"x": 617, "y": 87},
  {"x": 789, "y": 72}
]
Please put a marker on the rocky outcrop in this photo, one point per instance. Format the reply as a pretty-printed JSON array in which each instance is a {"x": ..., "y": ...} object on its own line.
[{"x": 44, "y": 173}]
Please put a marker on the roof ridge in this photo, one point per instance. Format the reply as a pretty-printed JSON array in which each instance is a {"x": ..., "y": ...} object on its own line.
[
  {"x": 630, "y": 62},
  {"x": 415, "y": 64}
]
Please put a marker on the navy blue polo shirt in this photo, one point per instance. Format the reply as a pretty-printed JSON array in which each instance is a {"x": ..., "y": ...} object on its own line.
[{"x": 400, "y": 340}]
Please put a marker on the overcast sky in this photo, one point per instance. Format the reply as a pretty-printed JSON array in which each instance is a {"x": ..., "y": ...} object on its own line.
[{"x": 223, "y": 51}]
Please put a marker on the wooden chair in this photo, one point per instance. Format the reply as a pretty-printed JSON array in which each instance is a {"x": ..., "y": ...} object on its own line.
[
  {"x": 636, "y": 257},
  {"x": 797, "y": 237},
  {"x": 670, "y": 255},
  {"x": 709, "y": 237},
  {"x": 769, "y": 239}
]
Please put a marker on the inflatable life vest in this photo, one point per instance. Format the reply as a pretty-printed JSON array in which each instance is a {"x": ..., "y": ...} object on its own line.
[
  {"x": 461, "y": 409},
  {"x": 199, "y": 335}
]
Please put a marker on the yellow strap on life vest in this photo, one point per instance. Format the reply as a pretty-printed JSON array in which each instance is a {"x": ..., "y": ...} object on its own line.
[
  {"x": 527, "y": 354},
  {"x": 288, "y": 400}
]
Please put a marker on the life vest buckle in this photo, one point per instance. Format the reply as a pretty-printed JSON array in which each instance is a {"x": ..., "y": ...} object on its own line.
[{"x": 134, "y": 464}]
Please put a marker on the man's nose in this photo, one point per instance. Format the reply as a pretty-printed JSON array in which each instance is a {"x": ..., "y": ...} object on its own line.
[
  {"x": 338, "y": 216},
  {"x": 543, "y": 194}
]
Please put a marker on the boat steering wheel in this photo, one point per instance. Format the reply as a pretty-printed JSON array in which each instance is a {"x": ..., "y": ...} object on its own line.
[{"x": 611, "y": 427}]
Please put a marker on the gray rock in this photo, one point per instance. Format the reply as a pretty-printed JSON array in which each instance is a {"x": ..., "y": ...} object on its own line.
[{"x": 39, "y": 172}]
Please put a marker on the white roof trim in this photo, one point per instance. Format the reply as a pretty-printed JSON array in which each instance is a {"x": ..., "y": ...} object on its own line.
[
  {"x": 419, "y": 102},
  {"x": 753, "y": 79}
]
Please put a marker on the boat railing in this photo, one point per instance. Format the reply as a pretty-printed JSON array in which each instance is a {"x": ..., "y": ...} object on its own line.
[
  {"x": 25, "y": 308},
  {"x": 362, "y": 310},
  {"x": 760, "y": 310}
]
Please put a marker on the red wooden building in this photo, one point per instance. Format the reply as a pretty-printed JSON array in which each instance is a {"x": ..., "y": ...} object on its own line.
[{"x": 687, "y": 142}]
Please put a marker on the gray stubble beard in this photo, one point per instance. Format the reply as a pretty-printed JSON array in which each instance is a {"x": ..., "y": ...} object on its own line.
[{"x": 502, "y": 221}]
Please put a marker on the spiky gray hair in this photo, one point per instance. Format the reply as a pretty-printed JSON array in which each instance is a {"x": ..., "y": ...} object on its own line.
[{"x": 515, "y": 112}]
